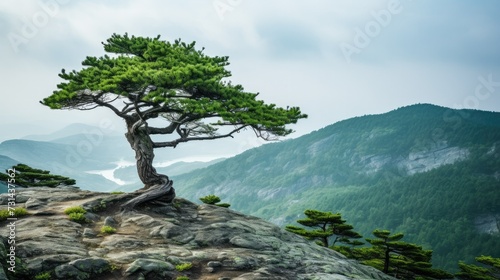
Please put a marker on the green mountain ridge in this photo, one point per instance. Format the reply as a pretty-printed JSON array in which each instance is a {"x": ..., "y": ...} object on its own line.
[{"x": 426, "y": 170}]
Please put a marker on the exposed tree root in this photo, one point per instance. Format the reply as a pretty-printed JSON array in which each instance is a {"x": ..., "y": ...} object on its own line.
[{"x": 163, "y": 192}]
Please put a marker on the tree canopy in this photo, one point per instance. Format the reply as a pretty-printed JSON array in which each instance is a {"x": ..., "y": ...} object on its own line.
[
  {"x": 326, "y": 226},
  {"x": 174, "y": 81}
]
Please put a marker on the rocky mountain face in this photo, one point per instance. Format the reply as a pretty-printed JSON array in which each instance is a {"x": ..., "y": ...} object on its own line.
[
  {"x": 414, "y": 162},
  {"x": 488, "y": 223},
  {"x": 157, "y": 241}
]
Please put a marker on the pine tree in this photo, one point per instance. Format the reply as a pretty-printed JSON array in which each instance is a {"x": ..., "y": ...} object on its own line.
[
  {"x": 27, "y": 176},
  {"x": 169, "y": 89},
  {"x": 326, "y": 225},
  {"x": 489, "y": 271},
  {"x": 400, "y": 259}
]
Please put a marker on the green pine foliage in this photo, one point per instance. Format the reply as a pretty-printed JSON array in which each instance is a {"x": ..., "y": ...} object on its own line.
[
  {"x": 400, "y": 259},
  {"x": 27, "y": 176},
  {"x": 489, "y": 269},
  {"x": 327, "y": 229},
  {"x": 173, "y": 81},
  {"x": 210, "y": 199},
  {"x": 4, "y": 177},
  {"x": 388, "y": 252}
]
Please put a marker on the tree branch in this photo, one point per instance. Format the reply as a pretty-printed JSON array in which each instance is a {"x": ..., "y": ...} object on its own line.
[
  {"x": 108, "y": 105},
  {"x": 176, "y": 123},
  {"x": 164, "y": 130},
  {"x": 88, "y": 109},
  {"x": 127, "y": 110},
  {"x": 266, "y": 135},
  {"x": 187, "y": 139},
  {"x": 113, "y": 108}
]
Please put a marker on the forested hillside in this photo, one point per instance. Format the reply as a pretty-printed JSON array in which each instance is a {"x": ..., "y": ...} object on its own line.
[{"x": 428, "y": 171}]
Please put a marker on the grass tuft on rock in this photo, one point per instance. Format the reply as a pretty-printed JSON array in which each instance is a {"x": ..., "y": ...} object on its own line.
[
  {"x": 43, "y": 276},
  {"x": 76, "y": 214},
  {"x": 183, "y": 266},
  {"x": 108, "y": 230},
  {"x": 8, "y": 213},
  {"x": 74, "y": 209}
]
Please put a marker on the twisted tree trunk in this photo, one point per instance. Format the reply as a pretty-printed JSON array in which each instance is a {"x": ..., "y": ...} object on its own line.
[{"x": 156, "y": 186}]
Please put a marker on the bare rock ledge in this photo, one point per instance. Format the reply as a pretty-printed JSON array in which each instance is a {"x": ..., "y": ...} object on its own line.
[{"x": 156, "y": 240}]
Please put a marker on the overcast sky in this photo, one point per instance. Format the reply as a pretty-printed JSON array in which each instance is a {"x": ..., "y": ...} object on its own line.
[{"x": 334, "y": 59}]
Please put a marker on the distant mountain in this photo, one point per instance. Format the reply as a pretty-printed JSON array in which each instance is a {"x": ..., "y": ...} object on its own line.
[
  {"x": 111, "y": 144},
  {"x": 48, "y": 153},
  {"x": 129, "y": 173},
  {"x": 6, "y": 162},
  {"x": 3, "y": 187},
  {"x": 79, "y": 148},
  {"x": 70, "y": 130},
  {"x": 71, "y": 152},
  {"x": 62, "y": 159},
  {"x": 429, "y": 171},
  {"x": 183, "y": 167}
]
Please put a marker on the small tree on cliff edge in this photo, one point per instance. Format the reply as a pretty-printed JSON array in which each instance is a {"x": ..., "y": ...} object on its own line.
[
  {"x": 400, "y": 259},
  {"x": 146, "y": 79},
  {"x": 325, "y": 226}
]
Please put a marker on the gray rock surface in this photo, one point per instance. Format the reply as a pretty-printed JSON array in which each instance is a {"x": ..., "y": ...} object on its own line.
[
  {"x": 488, "y": 223},
  {"x": 415, "y": 162},
  {"x": 155, "y": 241},
  {"x": 423, "y": 161}
]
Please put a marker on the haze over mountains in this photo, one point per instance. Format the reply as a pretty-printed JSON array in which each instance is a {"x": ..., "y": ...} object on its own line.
[
  {"x": 429, "y": 171},
  {"x": 101, "y": 159}
]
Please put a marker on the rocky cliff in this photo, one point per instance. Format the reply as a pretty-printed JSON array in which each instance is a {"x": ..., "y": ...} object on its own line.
[{"x": 157, "y": 241}]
